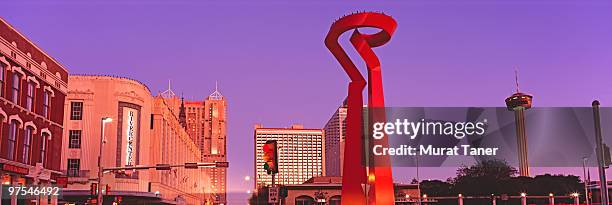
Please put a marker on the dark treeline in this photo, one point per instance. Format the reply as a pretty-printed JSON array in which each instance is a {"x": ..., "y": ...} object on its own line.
[{"x": 497, "y": 178}]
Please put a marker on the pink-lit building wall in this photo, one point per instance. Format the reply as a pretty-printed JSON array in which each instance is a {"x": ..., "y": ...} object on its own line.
[{"x": 155, "y": 133}]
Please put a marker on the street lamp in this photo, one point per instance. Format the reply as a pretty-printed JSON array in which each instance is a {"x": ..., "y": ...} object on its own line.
[
  {"x": 418, "y": 180},
  {"x": 104, "y": 120},
  {"x": 586, "y": 180}
]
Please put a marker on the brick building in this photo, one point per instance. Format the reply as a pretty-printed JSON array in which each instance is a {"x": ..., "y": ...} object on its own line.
[{"x": 33, "y": 86}]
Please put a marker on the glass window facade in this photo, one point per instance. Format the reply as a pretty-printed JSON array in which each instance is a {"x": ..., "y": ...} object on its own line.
[{"x": 300, "y": 155}]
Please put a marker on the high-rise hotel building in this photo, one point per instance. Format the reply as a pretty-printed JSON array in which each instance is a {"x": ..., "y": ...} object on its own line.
[
  {"x": 33, "y": 86},
  {"x": 301, "y": 154},
  {"x": 335, "y": 132},
  {"x": 206, "y": 125}
]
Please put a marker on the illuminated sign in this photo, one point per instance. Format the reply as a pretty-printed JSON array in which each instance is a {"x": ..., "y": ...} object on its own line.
[
  {"x": 130, "y": 134},
  {"x": 15, "y": 169}
]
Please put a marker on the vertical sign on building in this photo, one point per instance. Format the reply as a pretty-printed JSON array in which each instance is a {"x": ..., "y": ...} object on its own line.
[{"x": 130, "y": 132}]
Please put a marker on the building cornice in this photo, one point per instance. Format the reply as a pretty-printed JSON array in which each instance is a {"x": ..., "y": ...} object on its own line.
[
  {"x": 111, "y": 77},
  {"x": 35, "y": 68},
  {"x": 34, "y": 45}
]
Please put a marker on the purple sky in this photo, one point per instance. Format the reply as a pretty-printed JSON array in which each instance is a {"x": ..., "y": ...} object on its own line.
[{"x": 273, "y": 67}]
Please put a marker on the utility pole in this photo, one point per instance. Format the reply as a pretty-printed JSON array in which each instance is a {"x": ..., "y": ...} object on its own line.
[
  {"x": 600, "y": 154},
  {"x": 273, "y": 182},
  {"x": 418, "y": 180}
]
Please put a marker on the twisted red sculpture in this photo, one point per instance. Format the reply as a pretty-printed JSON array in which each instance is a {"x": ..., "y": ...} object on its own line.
[{"x": 379, "y": 178}]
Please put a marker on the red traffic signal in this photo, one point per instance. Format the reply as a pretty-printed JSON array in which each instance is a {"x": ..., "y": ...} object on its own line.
[{"x": 270, "y": 156}]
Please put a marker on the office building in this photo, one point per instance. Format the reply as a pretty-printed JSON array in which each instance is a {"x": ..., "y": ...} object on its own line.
[
  {"x": 335, "y": 131},
  {"x": 301, "y": 154},
  {"x": 206, "y": 125}
]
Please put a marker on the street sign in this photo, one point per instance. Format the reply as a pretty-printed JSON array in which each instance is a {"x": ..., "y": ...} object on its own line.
[
  {"x": 191, "y": 165},
  {"x": 273, "y": 195},
  {"x": 222, "y": 164},
  {"x": 162, "y": 167}
]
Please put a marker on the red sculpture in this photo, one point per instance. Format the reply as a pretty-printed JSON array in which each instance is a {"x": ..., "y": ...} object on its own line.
[{"x": 379, "y": 178}]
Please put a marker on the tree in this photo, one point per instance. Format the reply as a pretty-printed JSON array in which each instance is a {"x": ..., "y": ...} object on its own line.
[
  {"x": 556, "y": 184},
  {"x": 259, "y": 197},
  {"x": 436, "y": 188},
  {"x": 484, "y": 178}
]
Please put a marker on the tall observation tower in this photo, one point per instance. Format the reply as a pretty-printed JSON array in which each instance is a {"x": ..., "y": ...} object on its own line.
[{"x": 519, "y": 102}]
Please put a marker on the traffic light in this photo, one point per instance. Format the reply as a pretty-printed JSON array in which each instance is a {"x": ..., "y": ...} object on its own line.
[
  {"x": 283, "y": 192},
  {"x": 270, "y": 157},
  {"x": 93, "y": 189}
]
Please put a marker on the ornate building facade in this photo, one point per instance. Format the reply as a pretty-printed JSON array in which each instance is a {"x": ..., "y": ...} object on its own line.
[
  {"x": 145, "y": 130},
  {"x": 33, "y": 86}
]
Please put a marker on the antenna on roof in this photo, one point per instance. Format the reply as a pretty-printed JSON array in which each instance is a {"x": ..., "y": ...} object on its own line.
[
  {"x": 216, "y": 95},
  {"x": 516, "y": 79},
  {"x": 168, "y": 93}
]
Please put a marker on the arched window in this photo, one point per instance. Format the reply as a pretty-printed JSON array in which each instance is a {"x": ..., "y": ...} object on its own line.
[
  {"x": 43, "y": 148},
  {"x": 12, "y": 139},
  {"x": 334, "y": 200},
  {"x": 3, "y": 119},
  {"x": 46, "y": 105},
  {"x": 46, "y": 101},
  {"x": 16, "y": 86},
  {"x": 27, "y": 143},
  {"x": 30, "y": 96},
  {"x": 2, "y": 79},
  {"x": 304, "y": 200}
]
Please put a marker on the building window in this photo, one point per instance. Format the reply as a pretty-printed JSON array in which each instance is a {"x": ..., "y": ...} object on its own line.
[
  {"x": 75, "y": 139},
  {"x": 304, "y": 200},
  {"x": 16, "y": 85},
  {"x": 335, "y": 200},
  {"x": 27, "y": 142},
  {"x": 12, "y": 140},
  {"x": 76, "y": 110},
  {"x": 46, "y": 106},
  {"x": 30, "y": 96},
  {"x": 74, "y": 165},
  {"x": 43, "y": 149},
  {"x": 2, "y": 72}
]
